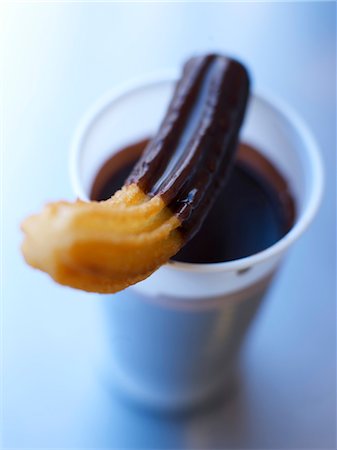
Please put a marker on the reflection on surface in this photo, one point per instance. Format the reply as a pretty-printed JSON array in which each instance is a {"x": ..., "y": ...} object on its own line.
[{"x": 123, "y": 424}]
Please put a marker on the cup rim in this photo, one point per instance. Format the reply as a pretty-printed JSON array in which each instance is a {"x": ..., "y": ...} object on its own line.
[{"x": 271, "y": 101}]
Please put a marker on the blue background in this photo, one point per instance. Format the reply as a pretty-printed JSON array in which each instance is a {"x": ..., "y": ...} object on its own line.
[{"x": 58, "y": 58}]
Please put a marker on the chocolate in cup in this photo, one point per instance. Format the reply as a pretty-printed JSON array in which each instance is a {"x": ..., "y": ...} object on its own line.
[{"x": 174, "y": 338}]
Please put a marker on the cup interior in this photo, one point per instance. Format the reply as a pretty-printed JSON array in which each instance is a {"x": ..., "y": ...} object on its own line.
[{"x": 114, "y": 123}]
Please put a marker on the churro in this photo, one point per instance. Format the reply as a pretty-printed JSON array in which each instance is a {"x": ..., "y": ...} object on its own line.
[{"x": 109, "y": 245}]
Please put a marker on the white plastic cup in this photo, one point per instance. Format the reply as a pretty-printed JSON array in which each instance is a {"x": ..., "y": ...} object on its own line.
[{"x": 175, "y": 337}]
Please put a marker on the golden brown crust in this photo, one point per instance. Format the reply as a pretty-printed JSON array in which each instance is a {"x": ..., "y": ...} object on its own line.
[{"x": 102, "y": 246}]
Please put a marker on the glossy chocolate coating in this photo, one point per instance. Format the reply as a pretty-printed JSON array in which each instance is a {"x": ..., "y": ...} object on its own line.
[{"x": 188, "y": 160}]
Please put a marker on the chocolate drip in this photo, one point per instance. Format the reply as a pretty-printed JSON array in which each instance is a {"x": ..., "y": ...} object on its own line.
[{"x": 189, "y": 159}]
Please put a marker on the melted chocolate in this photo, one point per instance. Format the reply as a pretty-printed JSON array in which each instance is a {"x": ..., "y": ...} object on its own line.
[
  {"x": 189, "y": 159},
  {"x": 120, "y": 165},
  {"x": 252, "y": 211}
]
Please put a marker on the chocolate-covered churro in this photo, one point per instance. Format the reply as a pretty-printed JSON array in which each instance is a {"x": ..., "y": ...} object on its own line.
[{"x": 109, "y": 245}]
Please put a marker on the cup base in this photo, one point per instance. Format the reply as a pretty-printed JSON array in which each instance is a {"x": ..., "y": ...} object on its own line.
[{"x": 166, "y": 401}]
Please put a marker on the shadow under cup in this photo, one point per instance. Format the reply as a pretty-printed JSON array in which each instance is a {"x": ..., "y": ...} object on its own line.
[{"x": 175, "y": 336}]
